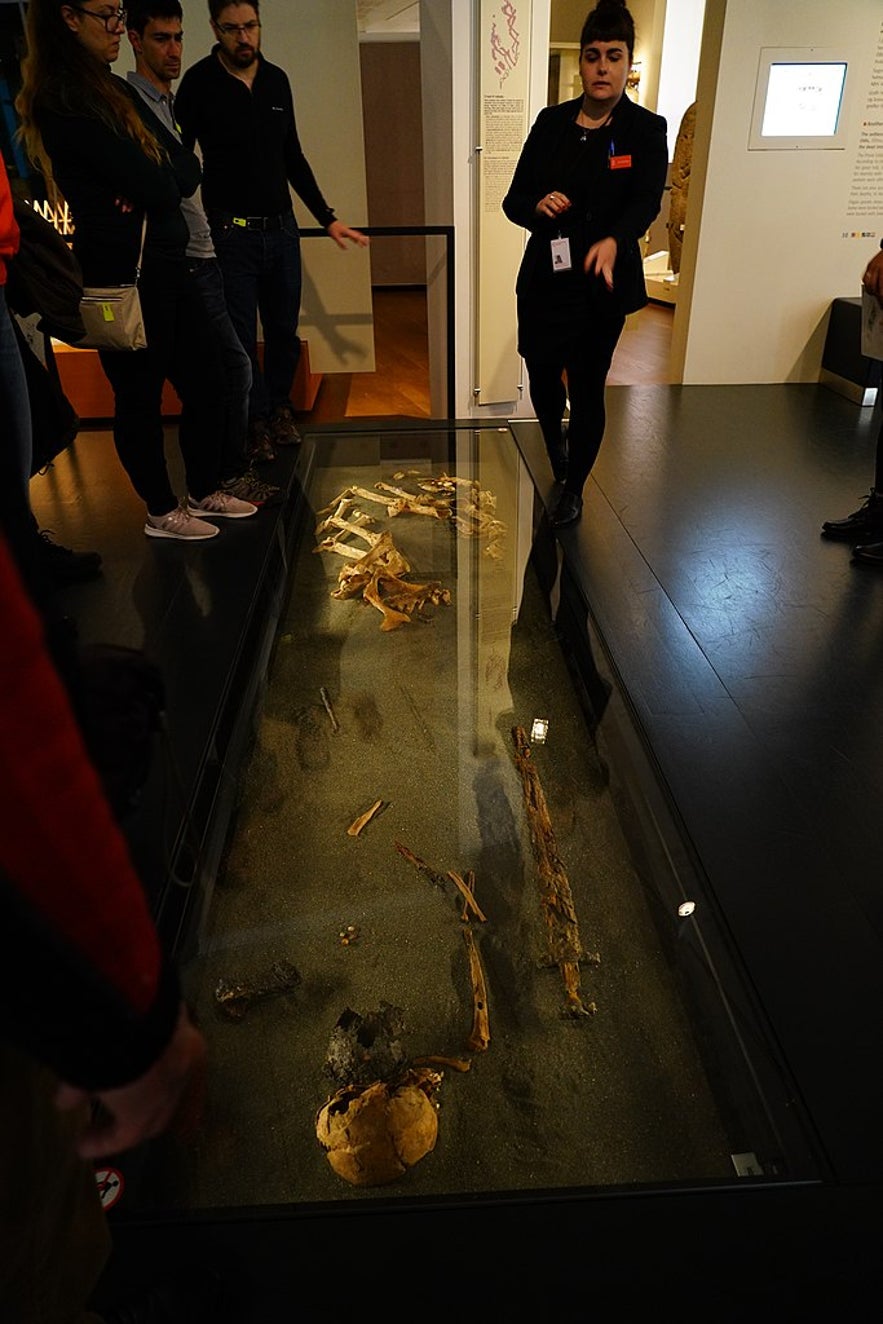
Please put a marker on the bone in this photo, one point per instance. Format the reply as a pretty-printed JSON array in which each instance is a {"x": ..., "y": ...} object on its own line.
[
  {"x": 556, "y": 898},
  {"x": 412, "y": 597},
  {"x": 392, "y": 619},
  {"x": 234, "y": 999},
  {"x": 344, "y": 506},
  {"x": 469, "y": 880},
  {"x": 480, "y": 1036},
  {"x": 356, "y": 527},
  {"x": 340, "y": 549},
  {"x": 364, "y": 819},
  {"x": 470, "y": 903},
  {"x": 326, "y": 699},
  {"x": 434, "y": 877}
]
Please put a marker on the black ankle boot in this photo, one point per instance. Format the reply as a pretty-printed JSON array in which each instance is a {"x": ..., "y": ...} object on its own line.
[
  {"x": 568, "y": 510},
  {"x": 863, "y": 525}
]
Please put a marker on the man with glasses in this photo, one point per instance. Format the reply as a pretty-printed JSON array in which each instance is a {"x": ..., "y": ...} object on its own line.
[
  {"x": 240, "y": 110},
  {"x": 157, "y": 38}
]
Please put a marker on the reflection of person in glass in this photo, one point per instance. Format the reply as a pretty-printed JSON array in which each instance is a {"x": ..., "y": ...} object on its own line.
[
  {"x": 864, "y": 527},
  {"x": 587, "y": 185}
]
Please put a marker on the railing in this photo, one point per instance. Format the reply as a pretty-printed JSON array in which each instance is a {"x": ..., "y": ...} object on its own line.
[{"x": 406, "y": 231}]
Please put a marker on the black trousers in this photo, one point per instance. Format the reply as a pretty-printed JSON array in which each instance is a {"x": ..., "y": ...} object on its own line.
[
  {"x": 584, "y": 357},
  {"x": 182, "y": 350}
]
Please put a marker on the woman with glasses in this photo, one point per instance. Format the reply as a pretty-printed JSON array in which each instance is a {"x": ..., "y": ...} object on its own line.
[
  {"x": 117, "y": 167},
  {"x": 587, "y": 185}
]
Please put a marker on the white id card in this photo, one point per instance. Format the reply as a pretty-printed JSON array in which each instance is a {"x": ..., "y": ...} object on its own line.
[{"x": 560, "y": 254}]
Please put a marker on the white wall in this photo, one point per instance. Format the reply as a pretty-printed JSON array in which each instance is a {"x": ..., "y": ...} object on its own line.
[
  {"x": 679, "y": 62},
  {"x": 769, "y": 240},
  {"x": 317, "y": 43}
]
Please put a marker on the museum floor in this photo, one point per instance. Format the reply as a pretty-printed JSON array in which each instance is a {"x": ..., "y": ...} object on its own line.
[{"x": 747, "y": 650}]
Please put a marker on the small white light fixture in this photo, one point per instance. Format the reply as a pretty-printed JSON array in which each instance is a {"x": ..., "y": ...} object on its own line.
[
  {"x": 686, "y": 908},
  {"x": 539, "y": 730}
]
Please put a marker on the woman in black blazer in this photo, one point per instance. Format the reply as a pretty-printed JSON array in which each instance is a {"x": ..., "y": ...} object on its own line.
[{"x": 587, "y": 185}]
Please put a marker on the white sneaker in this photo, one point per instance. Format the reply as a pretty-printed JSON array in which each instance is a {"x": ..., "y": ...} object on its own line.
[
  {"x": 180, "y": 524},
  {"x": 221, "y": 505}
]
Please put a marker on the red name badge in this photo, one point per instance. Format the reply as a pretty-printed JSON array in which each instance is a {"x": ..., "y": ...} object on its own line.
[{"x": 620, "y": 163}]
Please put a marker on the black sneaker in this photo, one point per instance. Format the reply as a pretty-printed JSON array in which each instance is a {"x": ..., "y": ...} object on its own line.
[
  {"x": 64, "y": 566},
  {"x": 248, "y": 487},
  {"x": 283, "y": 429},
  {"x": 863, "y": 525}
]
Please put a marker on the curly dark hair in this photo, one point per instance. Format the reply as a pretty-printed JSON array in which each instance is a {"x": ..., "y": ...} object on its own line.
[{"x": 610, "y": 20}]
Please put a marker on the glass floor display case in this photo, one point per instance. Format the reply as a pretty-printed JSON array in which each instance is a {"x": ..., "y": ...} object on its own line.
[{"x": 455, "y": 947}]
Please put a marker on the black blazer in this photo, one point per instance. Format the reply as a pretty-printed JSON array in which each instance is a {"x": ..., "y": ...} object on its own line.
[
  {"x": 622, "y": 202},
  {"x": 93, "y": 166}
]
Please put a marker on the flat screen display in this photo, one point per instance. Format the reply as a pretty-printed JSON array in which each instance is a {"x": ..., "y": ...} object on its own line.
[{"x": 803, "y": 100}]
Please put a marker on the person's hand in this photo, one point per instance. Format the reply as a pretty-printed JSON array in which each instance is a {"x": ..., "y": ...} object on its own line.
[
  {"x": 601, "y": 259},
  {"x": 552, "y": 205},
  {"x": 139, "y": 1111},
  {"x": 340, "y": 233},
  {"x": 872, "y": 280}
]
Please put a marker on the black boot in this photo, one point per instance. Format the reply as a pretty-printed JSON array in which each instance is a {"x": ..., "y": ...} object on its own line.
[
  {"x": 568, "y": 510},
  {"x": 63, "y": 566},
  {"x": 863, "y": 524},
  {"x": 869, "y": 553},
  {"x": 558, "y": 452}
]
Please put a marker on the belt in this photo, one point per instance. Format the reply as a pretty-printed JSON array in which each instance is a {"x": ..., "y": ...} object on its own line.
[{"x": 259, "y": 222}]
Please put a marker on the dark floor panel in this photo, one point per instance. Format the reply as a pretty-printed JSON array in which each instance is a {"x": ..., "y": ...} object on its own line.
[
  {"x": 190, "y": 607},
  {"x": 745, "y": 643}
]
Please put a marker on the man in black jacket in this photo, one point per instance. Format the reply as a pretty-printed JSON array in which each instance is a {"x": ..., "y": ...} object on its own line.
[
  {"x": 240, "y": 110},
  {"x": 864, "y": 527}
]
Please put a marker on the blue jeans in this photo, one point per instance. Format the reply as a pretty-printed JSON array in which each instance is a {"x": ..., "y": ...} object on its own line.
[
  {"x": 262, "y": 274},
  {"x": 15, "y": 408},
  {"x": 16, "y": 519},
  {"x": 205, "y": 273}
]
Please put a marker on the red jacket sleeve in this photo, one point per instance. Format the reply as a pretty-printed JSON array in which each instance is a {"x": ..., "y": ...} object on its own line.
[
  {"x": 8, "y": 224},
  {"x": 90, "y": 991}
]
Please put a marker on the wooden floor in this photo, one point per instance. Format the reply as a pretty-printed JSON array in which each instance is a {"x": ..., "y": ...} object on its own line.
[{"x": 399, "y": 386}]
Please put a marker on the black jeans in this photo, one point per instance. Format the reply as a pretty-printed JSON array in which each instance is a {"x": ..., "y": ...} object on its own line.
[
  {"x": 586, "y": 361},
  {"x": 181, "y": 349}
]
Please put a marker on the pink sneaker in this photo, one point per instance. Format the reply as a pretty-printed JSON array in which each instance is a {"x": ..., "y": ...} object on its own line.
[
  {"x": 221, "y": 505},
  {"x": 180, "y": 524}
]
